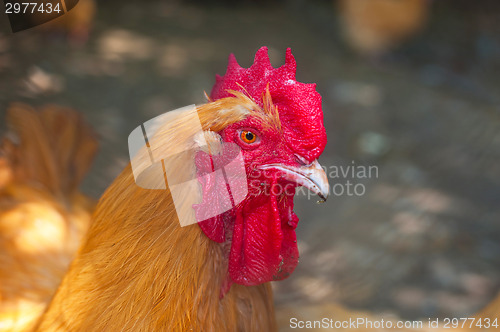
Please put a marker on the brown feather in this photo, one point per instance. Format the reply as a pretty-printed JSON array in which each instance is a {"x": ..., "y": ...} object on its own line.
[{"x": 139, "y": 270}]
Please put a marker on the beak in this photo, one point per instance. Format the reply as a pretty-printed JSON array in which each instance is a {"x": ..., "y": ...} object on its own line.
[{"x": 311, "y": 176}]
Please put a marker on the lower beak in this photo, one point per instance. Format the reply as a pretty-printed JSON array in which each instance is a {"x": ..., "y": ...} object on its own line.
[{"x": 311, "y": 176}]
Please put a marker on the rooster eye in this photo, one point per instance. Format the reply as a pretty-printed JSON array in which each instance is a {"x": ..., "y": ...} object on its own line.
[{"x": 248, "y": 137}]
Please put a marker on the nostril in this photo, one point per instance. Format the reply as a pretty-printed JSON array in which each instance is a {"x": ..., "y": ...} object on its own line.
[{"x": 302, "y": 161}]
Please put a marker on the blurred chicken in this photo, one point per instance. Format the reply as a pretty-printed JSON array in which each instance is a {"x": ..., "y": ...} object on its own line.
[
  {"x": 75, "y": 25},
  {"x": 374, "y": 27},
  {"x": 43, "y": 216}
]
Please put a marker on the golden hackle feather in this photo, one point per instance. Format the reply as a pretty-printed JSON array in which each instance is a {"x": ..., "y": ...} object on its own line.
[{"x": 139, "y": 270}]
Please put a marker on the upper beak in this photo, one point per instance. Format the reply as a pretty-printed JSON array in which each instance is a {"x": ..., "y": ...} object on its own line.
[{"x": 311, "y": 176}]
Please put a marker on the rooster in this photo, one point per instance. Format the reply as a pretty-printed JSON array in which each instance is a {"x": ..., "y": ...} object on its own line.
[
  {"x": 139, "y": 270},
  {"x": 43, "y": 216}
]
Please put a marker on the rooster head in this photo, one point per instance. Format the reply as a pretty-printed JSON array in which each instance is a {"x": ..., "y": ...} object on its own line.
[{"x": 280, "y": 139}]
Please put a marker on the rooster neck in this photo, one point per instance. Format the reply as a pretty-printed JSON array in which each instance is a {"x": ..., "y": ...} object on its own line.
[{"x": 139, "y": 270}]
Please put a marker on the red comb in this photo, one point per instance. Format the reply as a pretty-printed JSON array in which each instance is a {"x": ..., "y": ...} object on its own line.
[{"x": 299, "y": 105}]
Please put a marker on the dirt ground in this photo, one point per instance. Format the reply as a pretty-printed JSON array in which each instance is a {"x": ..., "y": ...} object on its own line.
[{"x": 422, "y": 238}]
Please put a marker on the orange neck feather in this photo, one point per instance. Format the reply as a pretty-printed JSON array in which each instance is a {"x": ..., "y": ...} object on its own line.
[{"x": 139, "y": 270}]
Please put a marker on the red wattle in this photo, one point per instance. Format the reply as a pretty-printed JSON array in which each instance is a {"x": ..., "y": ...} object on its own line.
[{"x": 263, "y": 245}]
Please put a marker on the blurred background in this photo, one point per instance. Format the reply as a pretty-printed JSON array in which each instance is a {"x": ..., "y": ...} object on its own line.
[{"x": 409, "y": 86}]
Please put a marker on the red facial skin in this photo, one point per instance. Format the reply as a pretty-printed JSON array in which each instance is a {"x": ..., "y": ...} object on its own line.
[{"x": 261, "y": 229}]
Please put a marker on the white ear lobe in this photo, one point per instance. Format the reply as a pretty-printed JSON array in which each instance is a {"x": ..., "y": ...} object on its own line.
[{"x": 208, "y": 141}]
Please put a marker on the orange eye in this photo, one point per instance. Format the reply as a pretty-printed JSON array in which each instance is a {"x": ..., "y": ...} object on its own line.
[{"x": 248, "y": 137}]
